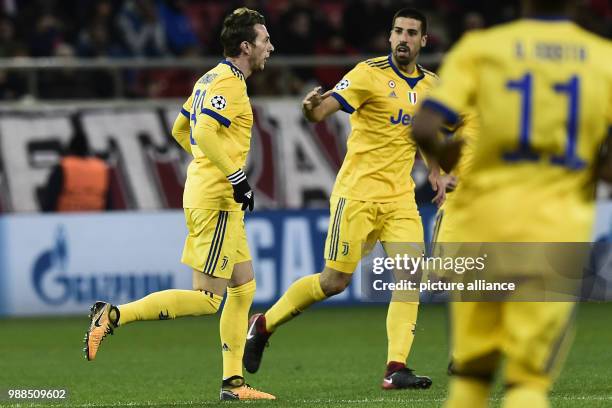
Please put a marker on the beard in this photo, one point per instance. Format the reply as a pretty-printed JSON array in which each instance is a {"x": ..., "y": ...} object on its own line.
[{"x": 404, "y": 58}]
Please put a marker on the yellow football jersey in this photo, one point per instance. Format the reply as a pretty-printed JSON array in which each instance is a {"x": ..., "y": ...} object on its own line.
[
  {"x": 380, "y": 152},
  {"x": 219, "y": 102},
  {"x": 542, "y": 93}
]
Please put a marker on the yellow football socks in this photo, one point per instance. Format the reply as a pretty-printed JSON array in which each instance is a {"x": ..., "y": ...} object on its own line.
[
  {"x": 300, "y": 295},
  {"x": 233, "y": 326},
  {"x": 467, "y": 392},
  {"x": 170, "y": 304},
  {"x": 401, "y": 321}
]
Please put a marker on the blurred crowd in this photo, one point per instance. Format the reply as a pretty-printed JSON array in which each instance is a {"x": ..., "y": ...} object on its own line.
[{"x": 190, "y": 28}]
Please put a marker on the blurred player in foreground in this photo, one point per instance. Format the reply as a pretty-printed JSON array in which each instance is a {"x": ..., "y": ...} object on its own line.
[
  {"x": 215, "y": 126},
  {"x": 373, "y": 197},
  {"x": 542, "y": 91}
]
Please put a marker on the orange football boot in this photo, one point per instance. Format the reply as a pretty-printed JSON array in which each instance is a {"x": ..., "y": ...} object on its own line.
[
  {"x": 234, "y": 388},
  {"x": 100, "y": 325}
]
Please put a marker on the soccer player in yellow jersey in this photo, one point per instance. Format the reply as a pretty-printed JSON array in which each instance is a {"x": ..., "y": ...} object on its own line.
[
  {"x": 542, "y": 91},
  {"x": 373, "y": 197},
  {"x": 215, "y": 127}
]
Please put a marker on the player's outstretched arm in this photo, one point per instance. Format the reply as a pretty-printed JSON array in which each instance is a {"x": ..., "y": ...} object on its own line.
[
  {"x": 316, "y": 106},
  {"x": 180, "y": 132}
]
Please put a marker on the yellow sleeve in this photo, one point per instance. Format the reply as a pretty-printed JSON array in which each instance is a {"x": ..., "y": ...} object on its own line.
[
  {"x": 222, "y": 102},
  {"x": 186, "y": 109},
  {"x": 354, "y": 89},
  {"x": 458, "y": 80},
  {"x": 181, "y": 131}
]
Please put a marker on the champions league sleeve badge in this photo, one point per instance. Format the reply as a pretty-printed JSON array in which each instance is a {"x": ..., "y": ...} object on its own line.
[
  {"x": 342, "y": 85},
  {"x": 218, "y": 102}
]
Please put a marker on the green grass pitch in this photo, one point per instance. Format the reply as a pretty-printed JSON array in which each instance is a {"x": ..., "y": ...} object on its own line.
[{"x": 328, "y": 357}]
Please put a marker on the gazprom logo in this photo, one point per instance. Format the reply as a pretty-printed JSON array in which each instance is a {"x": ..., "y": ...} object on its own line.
[{"x": 57, "y": 283}]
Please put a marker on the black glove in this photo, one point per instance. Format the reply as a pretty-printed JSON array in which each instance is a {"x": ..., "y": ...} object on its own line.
[{"x": 242, "y": 190}]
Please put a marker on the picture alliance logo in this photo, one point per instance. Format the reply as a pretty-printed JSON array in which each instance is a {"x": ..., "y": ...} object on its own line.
[{"x": 56, "y": 282}]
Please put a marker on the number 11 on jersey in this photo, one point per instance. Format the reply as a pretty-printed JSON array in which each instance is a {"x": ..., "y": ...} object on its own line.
[{"x": 524, "y": 86}]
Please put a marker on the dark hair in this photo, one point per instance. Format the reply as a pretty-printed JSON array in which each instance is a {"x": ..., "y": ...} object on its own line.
[
  {"x": 239, "y": 27},
  {"x": 414, "y": 14}
]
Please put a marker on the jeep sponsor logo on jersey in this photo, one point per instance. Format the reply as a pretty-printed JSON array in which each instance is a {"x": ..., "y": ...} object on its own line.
[{"x": 401, "y": 118}]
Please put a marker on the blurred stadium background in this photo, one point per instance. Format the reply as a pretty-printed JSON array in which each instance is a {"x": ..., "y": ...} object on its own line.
[{"x": 121, "y": 70}]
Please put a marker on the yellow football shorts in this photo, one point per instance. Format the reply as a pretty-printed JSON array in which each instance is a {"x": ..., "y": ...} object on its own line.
[
  {"x": 216, "y": 241},
  {"x": 355, "y": 226},
  {"x": 534, "y": 337}
]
